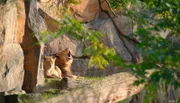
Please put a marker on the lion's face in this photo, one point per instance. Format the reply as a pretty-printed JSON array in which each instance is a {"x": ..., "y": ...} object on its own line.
[
  {"x": 64, "y": 58},
  {"x": 49, "y": 61}
]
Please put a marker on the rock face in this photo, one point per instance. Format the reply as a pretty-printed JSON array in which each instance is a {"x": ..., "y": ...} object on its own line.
[
  {"x": 63, "y": 42},
  {"x": 124, "y": 24},
  {"x": 85, "y": 10},
  {"x": 12, "y": 21},
  {"x": 33, "y": 53},
  {"x": 112, "y": 39}
]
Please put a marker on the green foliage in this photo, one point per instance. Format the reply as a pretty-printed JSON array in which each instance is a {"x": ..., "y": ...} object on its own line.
[
  {"x": 161, "y": 55},
  {"x": 49, "y": 94},
  {"x": 73, "y": 1},
  {"x": 93, "y": 78},
  {"x": 23, "y": 98},
  {"x": 3, "y": 1},
  {"x": 150, "y": 93}
]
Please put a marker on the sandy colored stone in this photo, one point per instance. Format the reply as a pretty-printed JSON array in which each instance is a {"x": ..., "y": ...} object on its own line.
[
  {"x": 86, "y": 10},
  {"x": 11, "y": 53},
  {"x": 21, "y": 18}
]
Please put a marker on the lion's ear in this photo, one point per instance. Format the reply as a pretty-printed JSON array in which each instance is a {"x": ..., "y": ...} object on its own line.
[{"x": 66, "y": 50}]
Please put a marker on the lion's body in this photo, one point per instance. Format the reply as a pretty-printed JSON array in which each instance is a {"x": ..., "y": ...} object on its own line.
[{"x": 50, "y": 70}]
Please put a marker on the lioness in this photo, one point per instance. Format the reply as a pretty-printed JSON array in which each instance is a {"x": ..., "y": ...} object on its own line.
[
  {"x": 64, "y": 61},
  {"x": 50, "y": 70}
]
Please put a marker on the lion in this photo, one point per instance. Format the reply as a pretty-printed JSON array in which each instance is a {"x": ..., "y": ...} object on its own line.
[
  {"x": 50, "y": 69},
  {"x": 64, "y": 61}
]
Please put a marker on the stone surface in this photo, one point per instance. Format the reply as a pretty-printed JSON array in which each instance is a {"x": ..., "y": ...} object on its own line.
[
  {"x": 11, "y": 54},
  {"x": 131, "y": 47},
  {"x": 105, "y": 7},
  {"x": 52, "y": 8},
  {"x": 124, "y": 25},
  {"x": 86, "y": 10},
  {"x": 33, "y": 53},
  {"x": 20, "y": 25},
  {"x": 63, "y": 42},
  {"x": 80, "y": 68},
  {"x": 111, "y": 37},
  {"x": 108, "y": 90},
  {"x": 11, "y": 65}
]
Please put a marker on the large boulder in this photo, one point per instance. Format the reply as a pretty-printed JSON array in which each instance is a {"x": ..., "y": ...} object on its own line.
[
  {"x": 85, "y": 10},
  {"x": 33, "y": 48},
  {"x": 112, "y": 38},
  {"x": 63, "y": 42},
  {"x": 124, "y": 25},
  {"x": 12, "y": 20},
  {"x": 52, "y": 7}
]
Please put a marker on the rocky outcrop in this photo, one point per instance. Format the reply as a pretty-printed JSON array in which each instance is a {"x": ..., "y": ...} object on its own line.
[
  {"x": 110, "y": 89},
  {"x": 85, "y": 10},
  {"x": 12, "y": 20},
  {"x": 124, "y": 24},
  {"x": 82, "y": 10},
  {"x": 63, "y": 42},
  {"x": 112, "y": 39},
  {"x": 33, "y": 52}
]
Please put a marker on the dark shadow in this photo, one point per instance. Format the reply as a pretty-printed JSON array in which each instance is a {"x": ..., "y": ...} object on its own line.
[
  {"x": 11, "y": 99},
  {"x": 3, "y": 2}
]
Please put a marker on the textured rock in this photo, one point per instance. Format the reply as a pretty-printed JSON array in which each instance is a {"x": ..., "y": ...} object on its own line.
[
  {"x": 63, "y": 42},
  {"x": 52, "y": 8},
  {"x": 20, "y": 25},
  {"x": 111, "y": 37},
  {"x": 86, "y": 10},
  {"x": 11, "y": 65},
  {"x": 80, "y": 67},
  {"x": 11, "y": 54},
  {"x": 33, "y": 53},
  {"x": 131, "y": 47},
  {"x": 110, "y": 89},
  {"x": 124, "y": 25},
  {"x": 105, "y": 7}
]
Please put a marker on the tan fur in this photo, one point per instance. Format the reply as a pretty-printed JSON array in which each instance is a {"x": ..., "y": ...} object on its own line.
[
  {"x": 64, "y": 61},
  {"x": 50, "y": 70}
]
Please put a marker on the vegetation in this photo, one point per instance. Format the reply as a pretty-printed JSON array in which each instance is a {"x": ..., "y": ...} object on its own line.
[
  {"x": 3, "y": 1},
  {"x": 33, "y": 98},
  {"x": 160, "y": 54}
]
